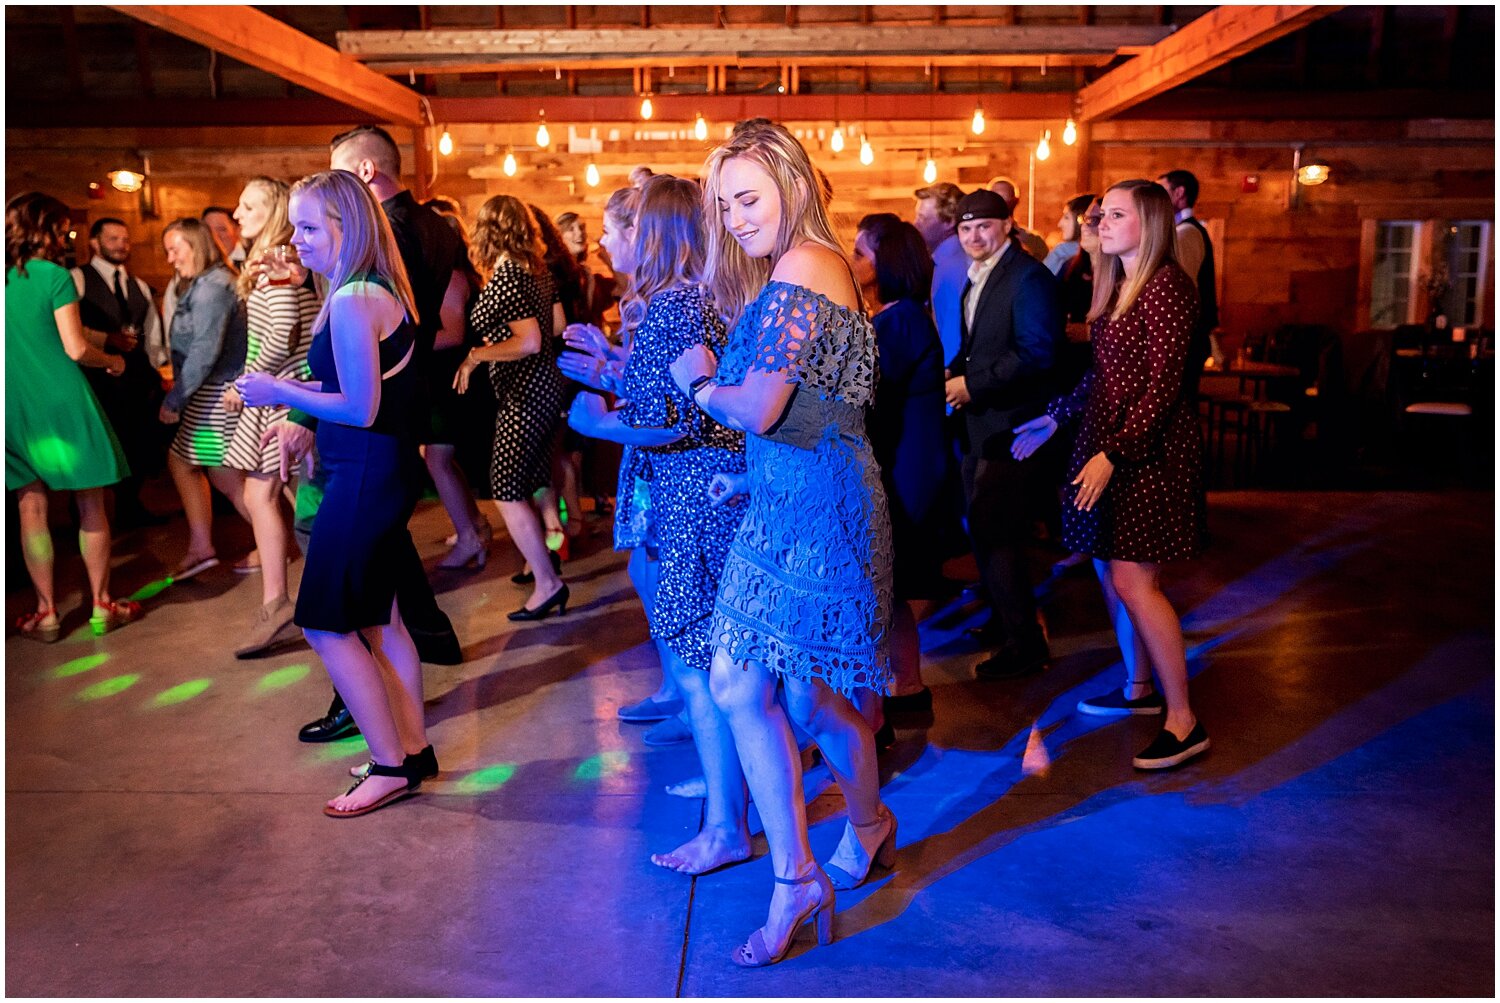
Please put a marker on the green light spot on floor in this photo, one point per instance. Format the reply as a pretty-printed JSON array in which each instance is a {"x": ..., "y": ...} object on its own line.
[
  {"x": 150, "y": 590},
  {"x": 182, "y": 693},
  {"x": 486, "y": 779},
  {"x": 606, "y": 764},
  {"x": 79, "y": 666},
  {"x": 344, "y": 748},
  {"x": 109, "y": 687},
  {"x": 282, "y": 678}
]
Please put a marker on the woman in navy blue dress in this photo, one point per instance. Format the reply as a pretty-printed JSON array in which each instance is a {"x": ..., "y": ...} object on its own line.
[
  {"x": 805, "y": 599},
  {"x": 696, "y": 466},
  {"x": 363, "y": 394}
]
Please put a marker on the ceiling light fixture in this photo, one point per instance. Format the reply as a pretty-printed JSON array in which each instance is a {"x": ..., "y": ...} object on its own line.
[
  {"x": 445, "y": 144},
  {"x": 509, "y": 166},
  {"x": 700, "y": 128},
  {"x": 592, "y": 176},
  {"x": 543, "y": 137}
]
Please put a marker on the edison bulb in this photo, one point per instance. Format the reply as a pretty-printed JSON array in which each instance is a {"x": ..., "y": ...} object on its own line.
[
  {"x": 700, "y": 129},
  {"x": 978, "y": 124},
  {"x": 866, "y": 152},
  {"x": 592, "y": 176},
  {"x": 1043, "y": 148},
  {"x": 929, "y": 173},
  {"x": 646, "y": 110},
  {"x": 445, "y": 144},
  {"x": 509, "y": 166},
  {"x": 836, "y": 141},
  {"x": 543, "y": 137},
  {"x": 1070, "y": 133}
]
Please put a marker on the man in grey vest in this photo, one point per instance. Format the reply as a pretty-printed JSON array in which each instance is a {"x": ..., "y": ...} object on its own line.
[
  {"x": 119, "y": 317},
  {"x": 1195, "y": 253}
]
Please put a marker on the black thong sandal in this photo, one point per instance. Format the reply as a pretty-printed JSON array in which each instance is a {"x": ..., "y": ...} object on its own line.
[{"x": 413, "y": 781}]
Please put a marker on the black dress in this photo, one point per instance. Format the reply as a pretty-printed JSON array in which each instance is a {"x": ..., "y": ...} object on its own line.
[
  {"x": 374, "y": 475},
  {"x": 906, "y": 432},
  {"x": 528, "y": 392}
]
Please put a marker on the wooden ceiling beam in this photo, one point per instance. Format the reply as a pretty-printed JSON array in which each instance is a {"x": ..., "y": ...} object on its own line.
[
  {"x": 265, "y": 43},
  {"x": 1003, "y": 61},
  {"x": 1212, "y": 40},
  {"x": 472, "y": 50}
]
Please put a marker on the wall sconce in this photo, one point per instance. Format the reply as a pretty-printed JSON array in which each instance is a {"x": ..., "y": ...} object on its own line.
[
  {"x": 131, "y": 182},
  {"x": 1312, "y": 174},
  {"x": 127, "y": 181}
]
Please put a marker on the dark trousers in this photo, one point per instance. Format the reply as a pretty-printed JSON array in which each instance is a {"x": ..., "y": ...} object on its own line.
[{"x": 1001, "y": 491}]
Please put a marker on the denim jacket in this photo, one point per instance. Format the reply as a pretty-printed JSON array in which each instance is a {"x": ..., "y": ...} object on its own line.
[{"x": 208, "y": 335}]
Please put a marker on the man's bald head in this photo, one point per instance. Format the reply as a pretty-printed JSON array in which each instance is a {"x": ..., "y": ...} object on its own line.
[
  {"x": 1006, "y": 189},
  {"x": 365, "y": 150}
]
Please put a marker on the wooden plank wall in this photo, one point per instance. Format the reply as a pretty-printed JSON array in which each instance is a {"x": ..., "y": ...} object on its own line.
[{"x": 1280, "y": 264}]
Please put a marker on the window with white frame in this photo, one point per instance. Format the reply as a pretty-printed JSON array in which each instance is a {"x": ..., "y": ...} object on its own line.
[
  {"x": 1393, "y": 281},
  {"x": 1468, "y": 253}
]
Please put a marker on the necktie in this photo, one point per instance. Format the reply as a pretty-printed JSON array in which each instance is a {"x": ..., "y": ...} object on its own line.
[{"x": 120, "y": 296}]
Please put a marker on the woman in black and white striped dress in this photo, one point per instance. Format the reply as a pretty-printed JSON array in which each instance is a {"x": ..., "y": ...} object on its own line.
[{"x": 280, "y": 313}]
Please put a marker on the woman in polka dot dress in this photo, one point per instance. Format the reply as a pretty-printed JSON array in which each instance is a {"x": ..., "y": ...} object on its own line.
[
  {"x": 1137, "y": 464},
  {"x": 515, "y": 315}
]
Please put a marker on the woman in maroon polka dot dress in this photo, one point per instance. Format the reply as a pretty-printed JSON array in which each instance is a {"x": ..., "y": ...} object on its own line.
[{"x": 1137, "y": 464}]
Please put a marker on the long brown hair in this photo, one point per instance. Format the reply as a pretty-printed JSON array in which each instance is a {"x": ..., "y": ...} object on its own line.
[
  {"x": 732, "y": 276},
  {"x": 205, "y": 249},
  {"x": 504, "y": 227},
  {"x": 1114, "y": 293},
  {"x": 278, "y": 228},
  {"x": 668, "y": 244},
  {"x": 36, "y": 226},
  {"x": 366, "y": 244}
]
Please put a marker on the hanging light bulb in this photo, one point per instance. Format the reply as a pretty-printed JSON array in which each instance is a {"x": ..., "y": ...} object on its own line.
[
  {"x": 509, "y": 166},
  {"x": 978, "y": 124},
  {"x": 929, "y": 173},
  {"x": 543, "y": 137},
  {"x": 866, "y": 151},
  {"x": 646, "y": 110},
  {"x": 445, "y": 144},
  {"x": 836, "y": 141},
  {"x": 700, "y": 129},
  {"x": 592, "y": 176},
  {"x": 1070, "y": 133},
  {"x": 1043, "y": 147}
]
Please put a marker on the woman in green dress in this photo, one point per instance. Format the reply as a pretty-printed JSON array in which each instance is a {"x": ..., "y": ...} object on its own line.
[{"x": 56, "y": 436}]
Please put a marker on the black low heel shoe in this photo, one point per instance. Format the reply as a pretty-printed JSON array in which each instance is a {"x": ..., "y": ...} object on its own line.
[
  {"x": 558, "y": 599},
  {"x": 526, "y": 577}
]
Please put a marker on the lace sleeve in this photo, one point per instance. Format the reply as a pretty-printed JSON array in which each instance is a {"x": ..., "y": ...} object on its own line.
[{"x": 786, "y": 324}]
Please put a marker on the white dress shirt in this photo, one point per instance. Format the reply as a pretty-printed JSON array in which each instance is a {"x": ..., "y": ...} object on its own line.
[
  {"x": 153, "y": 336},
  {"x": 979, "y": 274}
]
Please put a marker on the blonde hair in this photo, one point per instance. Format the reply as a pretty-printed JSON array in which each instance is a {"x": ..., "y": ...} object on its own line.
[
  {"x": 505, "y": 226},
  {"x": 668, "y": 244},
  {"x": 278, "y": 228},
  {"x": 200, "y": 240},
  {"x": 366, "y": 244},
  {"x": 1114, "y": 293},
  {"x": 621, "y": 207},
  {"x": 732, "y": 276}
]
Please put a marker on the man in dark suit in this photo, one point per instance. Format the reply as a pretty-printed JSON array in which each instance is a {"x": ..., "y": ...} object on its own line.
[{"x": 1012, "y": 324}]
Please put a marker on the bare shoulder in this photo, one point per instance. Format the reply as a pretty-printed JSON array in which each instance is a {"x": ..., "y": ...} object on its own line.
[
  {"x": 369, "y": 299},
  {"x": 819, "y": 268}
]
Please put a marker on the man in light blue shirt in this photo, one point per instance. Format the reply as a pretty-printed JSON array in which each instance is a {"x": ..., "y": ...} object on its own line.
[{"x": 937, "y": 221}]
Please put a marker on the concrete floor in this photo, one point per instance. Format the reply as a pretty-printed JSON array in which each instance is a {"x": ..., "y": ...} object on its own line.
[{"x": 164, "y": 834}]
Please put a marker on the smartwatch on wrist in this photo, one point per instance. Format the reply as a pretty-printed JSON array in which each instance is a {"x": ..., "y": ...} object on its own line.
[{"x": 697, "y": 385}]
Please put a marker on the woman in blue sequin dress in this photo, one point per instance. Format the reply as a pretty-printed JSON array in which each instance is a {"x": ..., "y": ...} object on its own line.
[{"x": 805, "y": 598}]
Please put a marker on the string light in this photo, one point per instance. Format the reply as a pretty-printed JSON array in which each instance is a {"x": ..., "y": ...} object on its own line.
[
  {"x": 866, "y": 151},
  {"x": 509, "y": 167},
  {"x": 646, "y": 110},
  {"x": 836, "y": 141},
  {"x": 700, "y": 128},
  {"x": 592, "y": 176},
  {"x": 445, "y": 144},
  {"x": 1043, "y": 147},
  {"x": 929, "y": 173},
  {"x": 543, "y": 137},
  {"x": 978, "y": 124},
  {"x": 1070, "y": 133}
]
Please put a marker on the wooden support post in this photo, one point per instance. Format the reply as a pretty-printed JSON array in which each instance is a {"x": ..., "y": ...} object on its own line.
[
  {"x": 1083, "y": 180},
  {"x": 143, "y": 61},
  {"x": 70, "y": 50},
  {"x": 421, "y": 164}
]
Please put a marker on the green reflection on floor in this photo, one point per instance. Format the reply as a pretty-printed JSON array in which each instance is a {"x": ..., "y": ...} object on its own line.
[
  {"x": 80, "y": 665},
  {"x": 282, "y": 678},
  {"x": 150, "y": 590},
  {"x": 603, "y": 765},
  {"x": 109, "y": 687},
  {"x": 343, "y": 748},
  {"x": 485, "y": 779},
  {"x": 179, "y": 694}
]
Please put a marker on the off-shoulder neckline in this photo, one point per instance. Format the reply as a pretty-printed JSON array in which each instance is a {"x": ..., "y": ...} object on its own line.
[{"x": 815, "y": 295}]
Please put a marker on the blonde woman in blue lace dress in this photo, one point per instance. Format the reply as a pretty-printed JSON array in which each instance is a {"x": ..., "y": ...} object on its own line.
[{"x": 805, "y": 598}]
